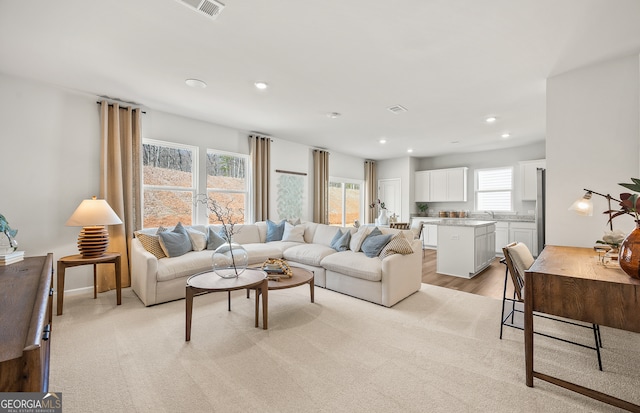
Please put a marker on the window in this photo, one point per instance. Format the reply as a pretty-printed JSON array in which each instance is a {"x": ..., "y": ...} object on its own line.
[
  {"x": 494, "y": 189},
  {"x": 345, "y": 201},
  {"x": 228, "y": 182},
  {"x": 169, "y": 176}
]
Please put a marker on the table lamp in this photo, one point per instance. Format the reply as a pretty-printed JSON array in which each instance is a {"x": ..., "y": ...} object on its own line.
[
  {"x": 584, "y": 205},
  {"x": 92, "y": 215}
]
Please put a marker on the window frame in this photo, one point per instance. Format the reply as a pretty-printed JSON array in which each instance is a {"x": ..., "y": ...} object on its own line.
[
  {"x": 343, "y": 181},
  {"x": 194, "y": 175},
  {"x": 510, "y": 189},
  {"x": 248, "y": 182}
]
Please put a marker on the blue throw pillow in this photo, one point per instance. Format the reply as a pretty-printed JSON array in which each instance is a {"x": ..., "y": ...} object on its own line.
[
  {"x": 275, "y": 231},
  {"x": 175, "y": 243},
  {"x": 340, "y": 241},
  {"x": 214, "y": 239},
  {"x": 372, "y": 245}
]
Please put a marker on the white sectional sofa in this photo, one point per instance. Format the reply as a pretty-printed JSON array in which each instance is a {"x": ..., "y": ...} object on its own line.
[{"x": 384, "y": 281}]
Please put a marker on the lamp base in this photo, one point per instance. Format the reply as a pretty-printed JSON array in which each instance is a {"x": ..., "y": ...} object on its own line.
[{"x": 93, "y": 241}]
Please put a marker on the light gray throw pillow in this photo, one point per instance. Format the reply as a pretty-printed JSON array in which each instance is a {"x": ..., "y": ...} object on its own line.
[
  {"x": 373, "y": 244},
  {"x": 175, "y": 243}
]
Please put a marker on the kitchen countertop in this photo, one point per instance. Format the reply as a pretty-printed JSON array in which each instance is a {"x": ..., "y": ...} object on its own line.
[
  {"x": 464, "y": 222},
  {"x": 485, "y": 217}
]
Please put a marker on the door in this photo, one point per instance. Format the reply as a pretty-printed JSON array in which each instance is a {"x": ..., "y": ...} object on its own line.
[{"x": 390, "y": 192}]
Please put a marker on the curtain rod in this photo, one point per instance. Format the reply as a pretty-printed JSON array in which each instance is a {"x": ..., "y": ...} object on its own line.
[{"x": 111, "y": 104}]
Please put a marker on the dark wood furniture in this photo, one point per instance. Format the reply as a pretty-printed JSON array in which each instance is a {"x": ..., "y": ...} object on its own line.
[
  {"x": 76, "y": 260},
  {"x": 568, "y": 282},
  {"x": 299, "y": 277},
  {"x": 26, "y": 296},
  {"x": 210, "y": 282}
]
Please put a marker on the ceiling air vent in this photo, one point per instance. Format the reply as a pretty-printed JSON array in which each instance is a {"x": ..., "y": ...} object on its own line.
[
  {"x": 209, "y": 8},
  {"x": 397, "y": 109}
]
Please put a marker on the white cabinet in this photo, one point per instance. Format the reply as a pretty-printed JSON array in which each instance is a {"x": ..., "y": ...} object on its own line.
[
  {"x": 529, "y": 179},
  {"x": 430, "y": 233},
  {"x": 526, "y": 233},
  {"x": 502, "y": 236},
  {"x": 421, "y": 186},
  {"x": 485, "y": 240},
  {"x": 464, "y": 251},
  {"x": 441, "y": 185}
]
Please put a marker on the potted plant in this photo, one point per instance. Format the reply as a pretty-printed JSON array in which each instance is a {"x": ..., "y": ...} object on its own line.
[
  {"x": 629, "y": 253},
  {"x": 423, "y": 208}
]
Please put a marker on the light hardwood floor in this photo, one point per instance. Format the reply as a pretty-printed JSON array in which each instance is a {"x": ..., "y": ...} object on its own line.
[{"x": 489, "y": 283}]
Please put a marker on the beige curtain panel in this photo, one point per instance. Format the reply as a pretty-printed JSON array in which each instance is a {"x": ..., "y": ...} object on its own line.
[
  {"x": 120, "y": 179},
  {"x": 320, "y": 186},
  {"x": 370, "y": 190},
  {"x": 261, "y": 166}
]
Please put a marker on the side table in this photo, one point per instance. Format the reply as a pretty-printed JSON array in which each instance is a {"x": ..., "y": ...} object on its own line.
[{"x": 77, "y": 260}]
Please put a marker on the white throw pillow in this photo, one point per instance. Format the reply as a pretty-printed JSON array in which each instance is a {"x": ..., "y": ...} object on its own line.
[
  {"x": 293, "y": 233},
  {"x": 198, "y": 239},
  {"x": 358, "y": 238}
]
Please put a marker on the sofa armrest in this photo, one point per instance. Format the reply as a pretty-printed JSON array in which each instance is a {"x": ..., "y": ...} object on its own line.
[
  {"x": 144, "y": 270},
  {"x": 401, "y": 275}
]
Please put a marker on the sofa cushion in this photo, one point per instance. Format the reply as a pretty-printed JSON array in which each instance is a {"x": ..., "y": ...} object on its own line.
[
  {"x": 373, "y": 244},
  {"x": 198, "y": 239},
  {"x": 184, "y": 265},
  {"x": 340, "y": 241},
  {"x": 294, "y": 233},
  {"x": 275, "y": 231},
  {"x": 175, "y": 243},
  {"x": 324, "y": 234},
  {"x": 259, "y": 252},
  {"x": 151, "y": 242},
  {"x": 398, "y": 245},
  {"x": 354, "y": 264},
  {"x": 214, "y": 239},
  {"x": 358, "y": 237},
  {"x": 246, "y": 234},
  {"x": 310, "y": 254}
]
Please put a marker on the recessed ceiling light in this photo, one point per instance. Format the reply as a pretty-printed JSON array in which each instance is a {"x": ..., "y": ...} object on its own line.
[
  {"x": 261, "y": 85},
  {"x": 333, "y": 115},
  {"x": 409, "y": 150},
  {"x": 505, "y": 135},
  {"x": 491, "y": 119},
  {"x": 382, "y": 141},
  {"x": 454, "y": 142},
  {"x": 195, "y": 83}
]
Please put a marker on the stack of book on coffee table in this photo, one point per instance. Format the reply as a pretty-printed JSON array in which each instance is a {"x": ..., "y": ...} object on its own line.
[{"x": 12, "y": 257}]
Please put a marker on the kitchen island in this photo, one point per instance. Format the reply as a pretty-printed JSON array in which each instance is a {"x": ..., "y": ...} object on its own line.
[{"x": 465, "y": 247}]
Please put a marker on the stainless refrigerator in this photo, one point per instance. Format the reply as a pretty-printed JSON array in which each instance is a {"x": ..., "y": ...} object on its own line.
[{"x": 540, "y": 207}]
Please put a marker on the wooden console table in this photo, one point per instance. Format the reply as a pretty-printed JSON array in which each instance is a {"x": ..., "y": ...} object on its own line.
[
  {"x": 76, "y": 260},
  {"x": 25, "y": 324},
  {"x": 568, "y": 282}
]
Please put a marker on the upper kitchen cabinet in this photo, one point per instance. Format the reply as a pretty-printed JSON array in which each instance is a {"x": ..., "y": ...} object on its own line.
[
  {"x": 421, "y": 191},
  {"x": 528, "y": 178},
  {"x": 441, "y": 185}
]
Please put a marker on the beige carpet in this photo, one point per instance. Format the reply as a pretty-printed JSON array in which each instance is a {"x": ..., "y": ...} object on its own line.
[{"x": 436, "y": 351}]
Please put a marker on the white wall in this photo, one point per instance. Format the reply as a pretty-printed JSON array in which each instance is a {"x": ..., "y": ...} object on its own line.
[
  {"x": 400, "y": 168},
  {"x": 593, "y": 142},
  {"x": 50, "y": 145},
  {"x": 50, "y": 141}
]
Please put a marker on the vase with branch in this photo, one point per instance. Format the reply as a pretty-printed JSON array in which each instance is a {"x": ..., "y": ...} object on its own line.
[
  {"x": 382, "y": 219},
  {"x": 629, "y": 252},
  {"x": 230, "y": 259}
]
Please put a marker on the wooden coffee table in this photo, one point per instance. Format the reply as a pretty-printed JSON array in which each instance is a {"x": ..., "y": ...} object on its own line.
[
  {"x": 210, "y": 282},
  {"x": 300, "y": 276}
]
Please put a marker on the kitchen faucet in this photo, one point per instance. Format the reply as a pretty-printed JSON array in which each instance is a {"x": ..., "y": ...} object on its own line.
[{"x": 490, "y": 213}]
